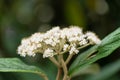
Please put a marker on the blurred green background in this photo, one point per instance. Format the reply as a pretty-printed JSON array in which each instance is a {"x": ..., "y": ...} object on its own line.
[{"x": 21, "y": 18}]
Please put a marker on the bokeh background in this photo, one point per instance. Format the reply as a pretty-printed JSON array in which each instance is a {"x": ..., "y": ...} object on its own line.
[{"x": 21, "y": 18}]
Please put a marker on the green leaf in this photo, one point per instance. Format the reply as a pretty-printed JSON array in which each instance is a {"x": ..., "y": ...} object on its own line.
[
  {"x": 16, "y": 65},
  {"x": 107, "y": 46},
  {"x": 91, "y": 69},
  {"x": 107, "y": 71}
]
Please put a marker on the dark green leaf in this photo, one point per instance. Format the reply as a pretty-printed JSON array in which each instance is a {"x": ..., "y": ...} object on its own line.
[
  {"x": 107, "y": 71},
  {"x": 91, "y": 69}
]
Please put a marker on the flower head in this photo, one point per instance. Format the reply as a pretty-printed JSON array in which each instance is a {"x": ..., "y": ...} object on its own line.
[
  {"x": 57, "y": 41},
  {"x": 93, "y": 38}
]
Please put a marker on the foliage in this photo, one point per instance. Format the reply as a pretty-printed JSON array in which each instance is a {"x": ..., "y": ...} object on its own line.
[
  {"x": 20, "y": 18},
  {"x": 107, "y": 46},
  {"x": 16, "y": 65}
]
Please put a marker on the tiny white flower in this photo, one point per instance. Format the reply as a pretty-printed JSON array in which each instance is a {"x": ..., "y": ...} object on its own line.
[
  {"x": 73, "y": 50},
  {"x": 36, "y": 38},
  {"x": 93, "y": 38},
  {"x": 65, "y": 47},
  {"x": 83, "y": 42}
]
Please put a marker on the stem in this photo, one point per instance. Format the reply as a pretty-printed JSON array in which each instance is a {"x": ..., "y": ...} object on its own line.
[
  {"x": 71, "y": 55},
  {"x": 54, "y": 61},
  {"x": 69, "y": 58},
  {"x": 84, "y": 46},
  {"x": 59, "y": 74},
  {"x": 64, "y": 68},
  {"x": 43, "y": 76}
]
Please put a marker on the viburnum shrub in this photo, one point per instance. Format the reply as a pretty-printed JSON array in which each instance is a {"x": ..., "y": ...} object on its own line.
[
  {"x": 72, "y": 51},
  {"x": 55, "y": 43}
]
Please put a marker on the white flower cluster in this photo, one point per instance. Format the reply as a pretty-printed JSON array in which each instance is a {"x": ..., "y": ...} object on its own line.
[{"x": 57, "y": 41}]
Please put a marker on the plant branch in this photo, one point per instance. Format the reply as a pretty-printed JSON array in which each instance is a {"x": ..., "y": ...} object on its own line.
[
  {"x": 42, "y": 75},
  {"x": 64, "y": 68},
  {"x": 54, "y": 61},
  {"x": 83, "y": 46},
  {"x": 59, "y": 74},
  {"x": 69, "y": 58},
  {"x": 71, "y": 55}
]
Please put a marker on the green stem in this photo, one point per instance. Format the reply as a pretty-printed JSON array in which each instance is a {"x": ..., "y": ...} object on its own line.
[
  {"x": 69, "y": 58},
  {"x": 59, "y": 74},
  {"x": 42, "y": 75},
  {"x": 64, "y": 66},
  {"x": 83, "y": 46},
  {"x": 71, "y": 55},
  {"x": 54, "y": 61}
]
